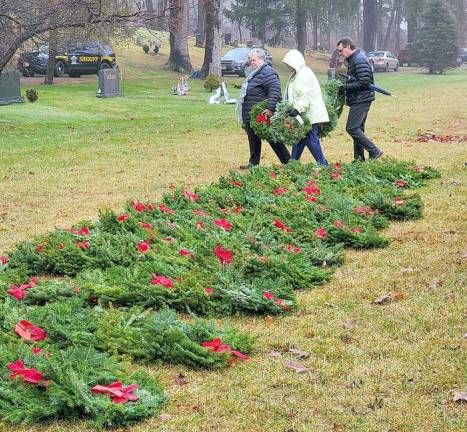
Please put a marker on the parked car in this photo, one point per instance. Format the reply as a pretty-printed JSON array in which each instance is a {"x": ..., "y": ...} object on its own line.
[
  {"x": 403, "y": 57},
  {"x": 75, "y": 60},
  {"x": 236, "y": 61},
  {"x": 462, "y": 54},
  {"x": 383, "y": 61}
]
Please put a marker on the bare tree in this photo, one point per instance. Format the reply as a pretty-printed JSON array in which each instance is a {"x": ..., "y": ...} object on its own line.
[
  {"x": 212, "y": 52},
  {"x": 179, "y": 58},
  {"x": 22, "y": 20},
  {"x": 201, "y": 24},
  {"x": 300, "y": 23},
  {"x": 369, "y": 24},
  {"x": 53, "y": 42}
]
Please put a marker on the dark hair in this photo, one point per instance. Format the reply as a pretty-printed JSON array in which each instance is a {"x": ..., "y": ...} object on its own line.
[{"x": 346, "y": 41}]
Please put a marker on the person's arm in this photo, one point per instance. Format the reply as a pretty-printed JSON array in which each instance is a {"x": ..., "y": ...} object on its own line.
[
  {"x": 362, "y": 78},
  {"x": 272, "y": 88}
]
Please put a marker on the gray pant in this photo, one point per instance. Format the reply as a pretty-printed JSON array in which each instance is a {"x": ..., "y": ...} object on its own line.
[{"x": 356, "y": 129}]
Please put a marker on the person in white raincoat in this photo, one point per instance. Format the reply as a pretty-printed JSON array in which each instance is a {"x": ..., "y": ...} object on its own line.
[{"x": 304, "y": 92}]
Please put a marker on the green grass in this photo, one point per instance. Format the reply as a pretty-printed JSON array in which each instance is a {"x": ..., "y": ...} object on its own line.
[{"x": 69, "y": 154}]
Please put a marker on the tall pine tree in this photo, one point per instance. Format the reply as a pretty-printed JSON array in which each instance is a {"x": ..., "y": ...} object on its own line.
[{"x": 435, "y": 41}]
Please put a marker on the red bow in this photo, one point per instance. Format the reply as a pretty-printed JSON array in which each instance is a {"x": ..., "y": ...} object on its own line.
[
  {"x": 30, "y": 332},
  {"x": 216, "y": 345},
  {"x": 117, "y": 392},
  {"x": 32, "y": 375},
  {"x": 225, "y": 256}
]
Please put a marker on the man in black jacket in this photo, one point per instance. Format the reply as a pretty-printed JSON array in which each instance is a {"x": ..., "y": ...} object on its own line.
[
  {"x": 263, "y": 83},
  {"x": 359, "y": 96}
]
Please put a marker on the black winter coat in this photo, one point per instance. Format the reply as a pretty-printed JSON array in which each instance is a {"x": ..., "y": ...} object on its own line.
[
  {"x": 264, "y": 85},
  {"x": 358, "y": 89}
]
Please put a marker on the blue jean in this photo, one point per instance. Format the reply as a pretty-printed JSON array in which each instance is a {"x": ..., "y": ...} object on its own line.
[{"x": 312, "y": 142}]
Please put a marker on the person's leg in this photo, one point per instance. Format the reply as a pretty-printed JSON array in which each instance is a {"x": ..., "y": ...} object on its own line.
[
  {"x": 255, "y": 146},
  {"x": 297, "y": 149},
  {"x": 358, "y": 150},
  {"x": 314, "y": 145},
  {"x": 281, "y": 152},
  {"x": 355, "y": 128}
]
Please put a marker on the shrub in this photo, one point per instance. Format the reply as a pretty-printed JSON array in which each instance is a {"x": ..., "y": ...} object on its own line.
[
  {"x": 212, "y": 82},
  {"x": 146, "y": 48},
  {"x": 32, "y": 95},
  {"x": 156, "y": 50}
]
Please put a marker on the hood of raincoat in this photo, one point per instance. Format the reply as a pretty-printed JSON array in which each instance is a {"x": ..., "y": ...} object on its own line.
[
  {"x": 303, "y": 90},
  {"x": 295, "y": 60}
]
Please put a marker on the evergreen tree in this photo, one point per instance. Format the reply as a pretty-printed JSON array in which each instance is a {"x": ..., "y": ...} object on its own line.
[{"x": 435, "y": 41}]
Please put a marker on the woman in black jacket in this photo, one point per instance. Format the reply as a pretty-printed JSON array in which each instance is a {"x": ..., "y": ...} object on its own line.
[{"x": 263, "y": 83}]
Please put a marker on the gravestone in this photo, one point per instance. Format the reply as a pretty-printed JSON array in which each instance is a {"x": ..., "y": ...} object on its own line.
[
  {"x": 109, "y": 83},
  {"x": 10, "y": 88}
]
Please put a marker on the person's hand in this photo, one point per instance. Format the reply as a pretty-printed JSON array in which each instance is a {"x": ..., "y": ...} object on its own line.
[
  {"x": 293, "y": 112},
  {"x": 342, "y": 89},
  {"x": 268, "y": 112}
]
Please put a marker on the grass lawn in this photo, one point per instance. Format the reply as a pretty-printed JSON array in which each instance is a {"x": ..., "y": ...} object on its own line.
[{"x": 389, "y": 367}]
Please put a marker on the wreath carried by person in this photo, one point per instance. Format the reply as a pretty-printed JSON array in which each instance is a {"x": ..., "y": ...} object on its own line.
[{"x": 282, "y": 127}]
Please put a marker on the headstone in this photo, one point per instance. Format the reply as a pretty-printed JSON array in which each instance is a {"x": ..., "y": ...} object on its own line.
[
  {"x": 109, "y": 83},
  {"x": 221, "y": 93},
  {"x": 10, "y": 88}
]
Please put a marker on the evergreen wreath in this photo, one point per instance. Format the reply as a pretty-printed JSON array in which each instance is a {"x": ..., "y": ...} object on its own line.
[
  {"x": 334, "y": 105},
  {"x": 281, "y": 127}
]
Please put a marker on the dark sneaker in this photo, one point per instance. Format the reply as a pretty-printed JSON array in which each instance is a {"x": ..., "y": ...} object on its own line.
[{"x": 377, "y": 155}]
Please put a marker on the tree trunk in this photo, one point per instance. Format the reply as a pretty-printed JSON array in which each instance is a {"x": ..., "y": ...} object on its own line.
[
  {"x": 239, "y": 24},
  {"x": 160, "y": 20},
  {"x": 412, "y": 22},
  {"x": 213, "y": 50},
  {"x": 397, "y": 41},
  {"x": 300, "y": 22},
  {"x": 49, "y": 76},
  {"x": 150, "y": 9},
  {"x": 379, "y": 25},
  {"x": 369, "y": 25},
  {"x": 201, "y": 27},
  {"x": 179, "y": 58},
  {"x": 388, "y": 30},
  {"x": 314, "y": 19}
]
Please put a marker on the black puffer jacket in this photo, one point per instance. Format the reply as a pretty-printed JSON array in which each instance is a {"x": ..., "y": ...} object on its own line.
[
  {"x": 358, "y": 89},
  {"x": 264, "y": 85}
]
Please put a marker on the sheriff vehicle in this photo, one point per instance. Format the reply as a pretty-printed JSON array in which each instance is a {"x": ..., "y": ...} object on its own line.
[{"x": 78, "y": 59}]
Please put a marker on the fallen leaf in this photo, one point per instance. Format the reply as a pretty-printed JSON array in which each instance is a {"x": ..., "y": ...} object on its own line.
[
  {"x": 459, "y": 397},
  {"x": 268, "y": 319},
  {"x": 275, "y": 353},
  {"x": 181, "y": 380},
  {"x": 196, "y": 408},
  {"x": 329, "y": 304},
  {"x": 165, "y": 417},
  {"x": 297, "y": 367},
  {"x": 397, "y": 295},
  {"x": 386, "y": 298},
  {"x": 310, "y": 335}
]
